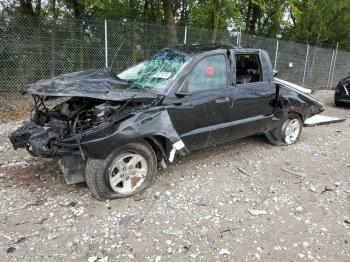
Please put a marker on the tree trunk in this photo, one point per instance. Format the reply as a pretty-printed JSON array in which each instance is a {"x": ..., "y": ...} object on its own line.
[
  {"x": 170, "y": 21},
  {"x": 79, "y": 32},
  {"x": 26, "y": 7},
  {"x": 184, "y": 13},
  {"x": 216, "y": 17},
  {"x": 38, "y": 7},
  {"x": 53, "y": 8},
  {"x": 254, "y": 19},
  {"x": 248, "y": 16},
  {"x": 146, "y": 11}
]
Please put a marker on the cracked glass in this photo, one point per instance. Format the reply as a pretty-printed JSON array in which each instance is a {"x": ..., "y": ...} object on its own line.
[{"x": 157, "y": 73}]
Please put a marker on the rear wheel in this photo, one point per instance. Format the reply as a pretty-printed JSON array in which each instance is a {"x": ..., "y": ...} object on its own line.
[
  {"x": 287, "y": 132},
  {"x": 127, "y": 171}
]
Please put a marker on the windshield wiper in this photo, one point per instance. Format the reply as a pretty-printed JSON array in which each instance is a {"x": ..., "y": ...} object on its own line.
[
  {"x": 138, "y": 86},
  {"x": 126, "y": 103}
]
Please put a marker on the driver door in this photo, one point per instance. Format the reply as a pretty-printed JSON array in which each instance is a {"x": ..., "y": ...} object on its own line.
[{"x": 198, "y": 115}]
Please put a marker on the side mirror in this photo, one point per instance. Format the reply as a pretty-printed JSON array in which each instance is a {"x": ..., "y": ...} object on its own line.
[
  {"x": 275, "y": 73},
  {"x": 183, "y": 89}
]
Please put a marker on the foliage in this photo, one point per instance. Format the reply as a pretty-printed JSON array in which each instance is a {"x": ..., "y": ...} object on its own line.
[{"x": 319, "y": 22}]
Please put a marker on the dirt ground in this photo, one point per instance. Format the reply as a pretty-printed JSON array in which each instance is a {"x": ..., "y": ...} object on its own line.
[
  {"x": 14, "y": 106},
  {"x": 242, "y": 201}
]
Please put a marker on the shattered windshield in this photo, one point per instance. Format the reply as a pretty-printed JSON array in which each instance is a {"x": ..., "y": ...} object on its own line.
[{"x": 158, "y": 72}]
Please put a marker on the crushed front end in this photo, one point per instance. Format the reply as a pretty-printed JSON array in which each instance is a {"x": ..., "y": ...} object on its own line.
[{"x": 60, "y": 131}]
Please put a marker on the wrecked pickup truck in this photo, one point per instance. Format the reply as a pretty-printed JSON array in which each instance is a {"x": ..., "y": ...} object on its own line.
[{"x": 113, "y": 130}]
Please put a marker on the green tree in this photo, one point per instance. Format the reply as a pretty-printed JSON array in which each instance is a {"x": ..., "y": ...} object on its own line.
[{"x": 320, "y": 22}]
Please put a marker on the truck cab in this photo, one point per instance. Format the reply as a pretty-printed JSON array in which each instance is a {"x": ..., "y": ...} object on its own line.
[{"x": 225, "y": 93}]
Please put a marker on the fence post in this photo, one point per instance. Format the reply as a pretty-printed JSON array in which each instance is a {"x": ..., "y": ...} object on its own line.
[
  {"x": 276, "y": 55},
  {"x": 106, "y": 45},
  {"x": 306, "y": 61},
  {"x": 185, "y": 36},
  {"x": 239, "y": 37},
  {"x": 335, "y": 60},
  {"x": 330, "y": 71}
]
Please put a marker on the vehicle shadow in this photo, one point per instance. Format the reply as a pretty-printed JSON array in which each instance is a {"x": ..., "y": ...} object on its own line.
[
  {"x": 40, "y": 174},
  {"x": 44, "y": 174}
]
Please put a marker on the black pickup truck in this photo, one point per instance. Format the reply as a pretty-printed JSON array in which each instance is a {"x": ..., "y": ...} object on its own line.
[{"x": 112, "y": 130}]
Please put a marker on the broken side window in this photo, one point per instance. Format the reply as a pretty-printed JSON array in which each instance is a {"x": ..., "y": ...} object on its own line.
[
  {"x": 248, "y": 69},
  {"x": 158, "y": 72}
]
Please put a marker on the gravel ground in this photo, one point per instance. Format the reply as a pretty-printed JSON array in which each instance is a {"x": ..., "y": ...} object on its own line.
[
  {"x": 14, "y": 106},
  {"x": 241, "y": 201}
]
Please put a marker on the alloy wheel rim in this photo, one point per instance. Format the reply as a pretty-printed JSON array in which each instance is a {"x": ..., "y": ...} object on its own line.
[
  {"x": 291, "y": 130},
  {"x": 127, "y": 173}
]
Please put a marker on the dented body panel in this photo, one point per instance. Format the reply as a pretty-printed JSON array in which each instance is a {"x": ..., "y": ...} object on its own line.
[
  {"x": 100, "y": 143},
  {"x": 99, "y": 84},
  {"x": 103, "y": 112}
]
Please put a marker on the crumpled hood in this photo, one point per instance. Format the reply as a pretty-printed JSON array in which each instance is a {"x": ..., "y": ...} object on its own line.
[{"x": 97, "y": 83}]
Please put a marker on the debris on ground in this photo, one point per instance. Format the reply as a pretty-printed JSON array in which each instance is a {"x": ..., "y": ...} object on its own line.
[
  {"x": 255, "y": 212},
  {"x": 294, "y": 173},
  {"x": 293, "y": 206},
  {"x": 317, "y": 120}
]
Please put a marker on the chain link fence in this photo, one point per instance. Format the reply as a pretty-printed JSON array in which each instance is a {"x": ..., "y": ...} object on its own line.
[
  {"x": 308, "y": 66},
  {"x": 32, "y": 49}
]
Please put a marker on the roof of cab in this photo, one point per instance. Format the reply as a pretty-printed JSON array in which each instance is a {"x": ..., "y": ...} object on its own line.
[{"x": 197, "y": 49}]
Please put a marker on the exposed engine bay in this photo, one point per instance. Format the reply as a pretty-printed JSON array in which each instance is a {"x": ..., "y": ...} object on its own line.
[
  {"x": 78, "y": 114},
  {"x": 69, "y": 118}
]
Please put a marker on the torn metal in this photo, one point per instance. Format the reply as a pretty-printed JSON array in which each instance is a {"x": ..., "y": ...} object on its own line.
[
  {"x": 317, "y": 120},
  {"x": 293, "y": 86},
  {"x": 290, "y": 100},
  {"x": 82, "y": 128},
  {"x": 94, "y": 130}
]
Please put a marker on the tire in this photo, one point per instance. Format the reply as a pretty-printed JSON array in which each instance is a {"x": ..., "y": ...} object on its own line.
[
  {"x": 337, "y": 103},
  {"x": 102, "y": 174},
  {"x": 279, "y": 137}
]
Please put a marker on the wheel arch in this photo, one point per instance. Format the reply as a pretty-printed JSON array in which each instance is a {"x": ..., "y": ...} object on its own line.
[
  {"x": 159, "y": 144},
  {"x": 297, "y": 112}
]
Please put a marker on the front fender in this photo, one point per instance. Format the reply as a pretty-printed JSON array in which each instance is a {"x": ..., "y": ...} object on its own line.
[{"x": 139, "y": 126}]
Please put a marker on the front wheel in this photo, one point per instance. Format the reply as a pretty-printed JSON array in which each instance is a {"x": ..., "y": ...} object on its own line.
[
  {"x": 129, "y": 170},
  {"x": 287, "y": 132}
]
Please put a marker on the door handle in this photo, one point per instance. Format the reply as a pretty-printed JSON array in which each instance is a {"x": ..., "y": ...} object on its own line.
[{"x": 222, "y": 100}]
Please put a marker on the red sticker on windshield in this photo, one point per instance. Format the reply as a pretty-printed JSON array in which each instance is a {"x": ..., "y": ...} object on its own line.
[{"x": 210, "y": 71}]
